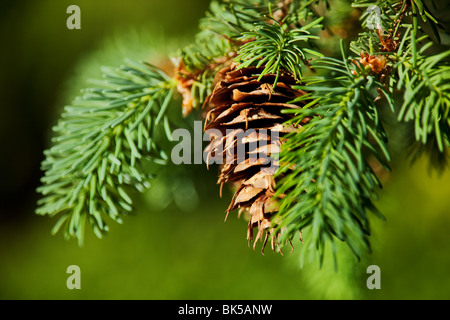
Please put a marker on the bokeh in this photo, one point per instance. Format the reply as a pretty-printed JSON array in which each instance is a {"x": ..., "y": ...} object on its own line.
[{"x": 176, "y": 244}]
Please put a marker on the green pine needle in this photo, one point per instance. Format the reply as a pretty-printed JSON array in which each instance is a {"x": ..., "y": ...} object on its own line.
[
  {"x": 332, "y": 186},
  {"x": 219, "y": 29},
  {"x": 100, "y": 145},
  {"x": 426, "y": 96},
  {"x": 276, "y": 47}
]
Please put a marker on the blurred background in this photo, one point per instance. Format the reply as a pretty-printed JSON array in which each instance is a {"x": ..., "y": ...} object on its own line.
[{"x": 176, "y": 245}]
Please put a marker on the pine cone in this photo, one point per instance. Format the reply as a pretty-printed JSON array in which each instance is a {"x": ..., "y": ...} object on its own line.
[{"x": 240, "y": 102}]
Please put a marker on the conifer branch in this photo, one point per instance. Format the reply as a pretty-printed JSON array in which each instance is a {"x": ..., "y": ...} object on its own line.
[
  {"x": 425, "y": 82},
  {"x": 325, "y": 180},
  {"x": 421, "y": 78},
  {"x": 228, "y": 26},
  {"x": 102, "y": 142},
  {"x": 276, "y": 47},
  {"x": 215, "y": 46}
]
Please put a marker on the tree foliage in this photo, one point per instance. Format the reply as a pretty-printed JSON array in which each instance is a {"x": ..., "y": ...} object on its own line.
[
  {"x": 100, "y": 145},
  {"x": 326, "y": 182}
]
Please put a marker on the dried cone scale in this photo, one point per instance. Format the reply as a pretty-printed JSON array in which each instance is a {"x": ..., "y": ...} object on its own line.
[{"x": 240, "y": 102}]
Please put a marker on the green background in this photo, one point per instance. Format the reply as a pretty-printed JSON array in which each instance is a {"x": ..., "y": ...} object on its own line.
[{"x": 176, "y": 245}]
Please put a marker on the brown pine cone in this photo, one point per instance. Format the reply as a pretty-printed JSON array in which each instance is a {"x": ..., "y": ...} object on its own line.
[{"x": 246, "y": 114}]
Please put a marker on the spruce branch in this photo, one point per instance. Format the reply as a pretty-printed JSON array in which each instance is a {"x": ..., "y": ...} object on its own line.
[
  {"x": 214, "y": 47},
  {"x": 100, "y": 147},
  {"x": 325, "y": 181},
  {"x": 230, "y": 24},
  {"x": 423, "y": 79},
  {"x": 425, "y": 82},
  {"x": 296, "y": 12},
  {"x": 230, "y": 18},
  {"x": 198, "y": 64},
  {"x": 276, "y": 47}
]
